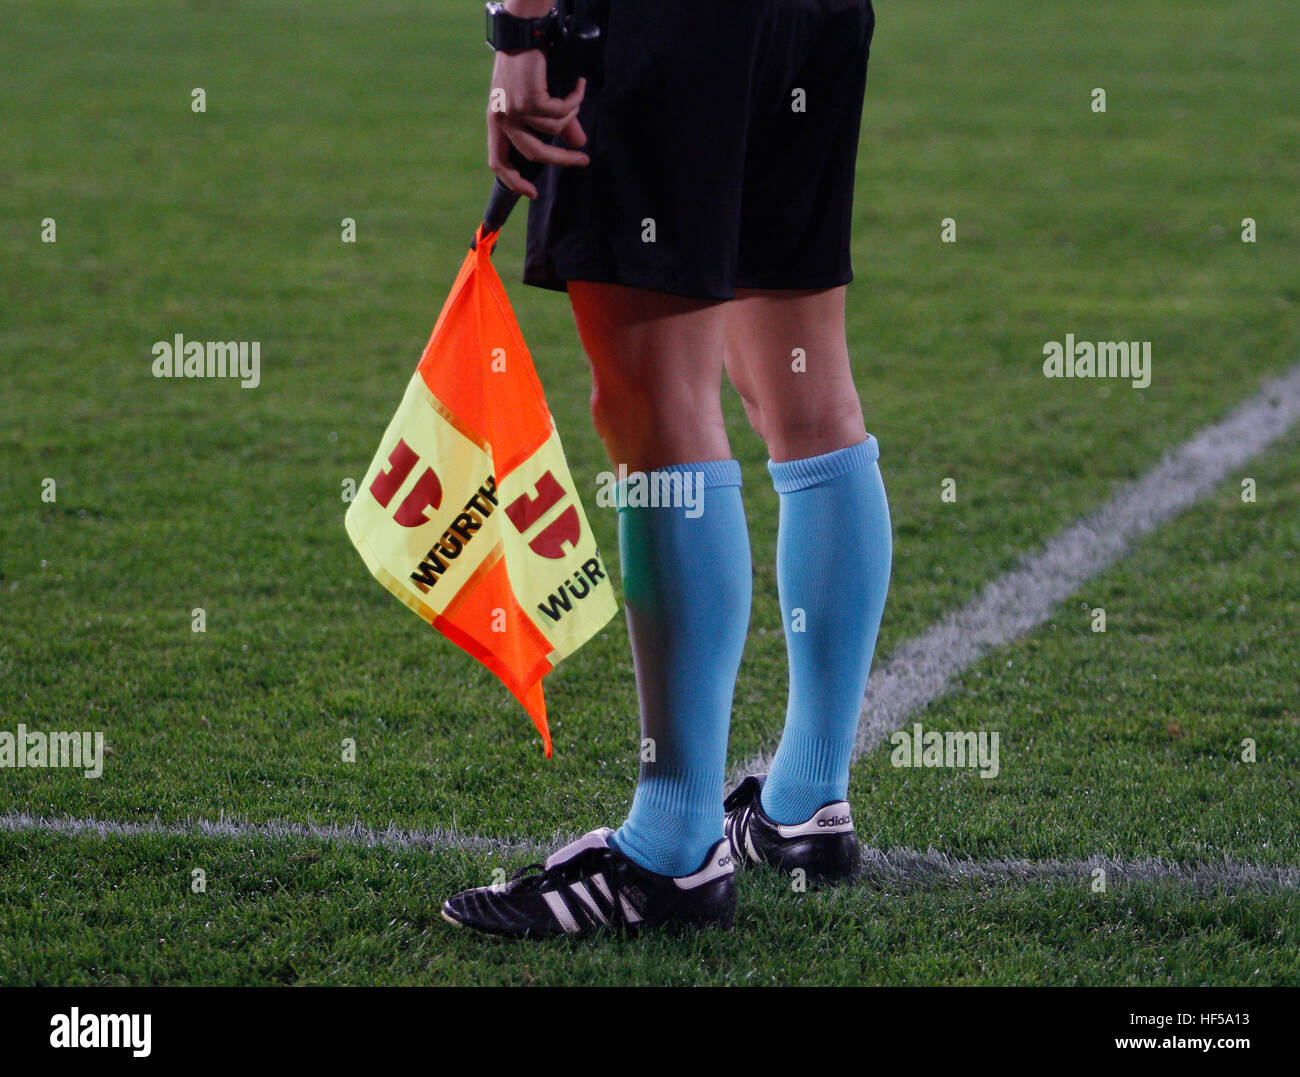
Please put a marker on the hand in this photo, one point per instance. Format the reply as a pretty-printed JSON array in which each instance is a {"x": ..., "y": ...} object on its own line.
[{"x": 520, "y": 105}]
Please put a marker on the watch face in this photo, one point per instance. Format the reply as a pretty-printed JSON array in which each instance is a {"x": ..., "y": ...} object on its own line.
[
  {"x": 506, "y": 32},
  {"x": 494, "y": 23}
]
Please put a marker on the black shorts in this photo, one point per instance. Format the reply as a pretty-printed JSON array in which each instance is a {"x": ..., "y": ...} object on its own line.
[{"x": 723, "y": 138}]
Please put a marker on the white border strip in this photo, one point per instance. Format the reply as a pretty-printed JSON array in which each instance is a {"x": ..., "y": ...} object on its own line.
[
  {"x": 892, "y": 867},
  {"x": 277, "y": 830},
  {"x": 1017, "y": 602},
  {"x": 908, "y": 867}
]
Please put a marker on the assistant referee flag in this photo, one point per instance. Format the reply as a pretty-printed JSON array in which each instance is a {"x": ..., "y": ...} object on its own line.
[{"x": 468, "y": 512}]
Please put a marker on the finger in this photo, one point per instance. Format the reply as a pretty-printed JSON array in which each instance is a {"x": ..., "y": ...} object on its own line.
[
  {"x": 548, "y": 125},
  {"x": 557, "y": 107},
  {"x": 577, "y": 94},
  {"x": 499, "y": 163},
  {"x": 573, "y": 134},
  {"x": 535, "y": 149},
  {"x": 512, "y": 179}
]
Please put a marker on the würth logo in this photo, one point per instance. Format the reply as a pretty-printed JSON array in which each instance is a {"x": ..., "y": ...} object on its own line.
[
  {"x": 425, "y": 497},
  {"x": 558, "y": 602},
  {"x": 426, "y": 494},
  {"x": 526, "y": 510}
]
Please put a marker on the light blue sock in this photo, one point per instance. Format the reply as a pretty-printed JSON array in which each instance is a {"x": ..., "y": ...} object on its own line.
[
  {"x": 687, "y": 580},
  {"x": 833, "y": 555}
]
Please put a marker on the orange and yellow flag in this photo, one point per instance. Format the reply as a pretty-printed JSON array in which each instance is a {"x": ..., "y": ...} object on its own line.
[{"x": 468, "y": 512}]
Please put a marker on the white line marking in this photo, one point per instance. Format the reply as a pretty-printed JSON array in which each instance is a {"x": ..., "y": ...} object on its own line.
[
  {"x": 923, "y": 669},
  {"x": 278, "y": 830},
  {"x": 919, "y": 673},
  {"x": 933, "y": 868},
  {"x": 893, "y": 866}
]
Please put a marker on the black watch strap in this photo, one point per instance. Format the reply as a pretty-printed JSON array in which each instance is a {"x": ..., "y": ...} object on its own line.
[{"x": 510, "y": 33}]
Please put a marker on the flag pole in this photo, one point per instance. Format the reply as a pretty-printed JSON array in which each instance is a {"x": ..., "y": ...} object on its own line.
[{"x": 502, "y": 199}]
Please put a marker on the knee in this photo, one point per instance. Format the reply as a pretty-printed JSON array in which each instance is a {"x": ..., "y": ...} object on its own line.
[
  {"x": 797, "y": 432},
  {"x": 651, "y": 425},
  {"x": 620, "y": 401},
  {"x": 753, "y": 410}
]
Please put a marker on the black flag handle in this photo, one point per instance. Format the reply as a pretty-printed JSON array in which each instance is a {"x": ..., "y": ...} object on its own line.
[
  {"x": 573, "y": 55},
  {"x": 502, "y": 199}
]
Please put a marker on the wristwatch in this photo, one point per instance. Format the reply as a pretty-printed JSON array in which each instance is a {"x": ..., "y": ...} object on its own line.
[{"x": 511, "y": 33}]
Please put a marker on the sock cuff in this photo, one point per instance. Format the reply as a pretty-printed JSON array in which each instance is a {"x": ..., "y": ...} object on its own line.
[
  {"x": 793, "y": 475},
  {"x": 704, "y": 475},
  {"x": 715, "y": 472}
]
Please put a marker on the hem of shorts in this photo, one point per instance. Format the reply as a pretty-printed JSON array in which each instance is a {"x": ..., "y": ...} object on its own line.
[
  {"x": 560, "y": 283},
  {"x": 805, "y": 284}
]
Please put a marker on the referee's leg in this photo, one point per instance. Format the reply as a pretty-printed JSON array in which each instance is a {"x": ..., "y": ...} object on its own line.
[
  {"x": 657, "y": 364},
  {"x": 656, "y": 367},
  {"x": 788, "y": 358}
]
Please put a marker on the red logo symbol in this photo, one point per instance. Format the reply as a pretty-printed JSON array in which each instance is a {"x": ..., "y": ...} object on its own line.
[
  {"x": 526, "y": 510},
  {"x": 425, "y": 494}
]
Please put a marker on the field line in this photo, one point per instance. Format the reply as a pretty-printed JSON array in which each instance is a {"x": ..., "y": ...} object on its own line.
[
  {"x": 923, "y": 669},
  {"x": 895, "y": 867},
  {"x": 228, "y": 827},
  {"x": 908, "y": 867}
]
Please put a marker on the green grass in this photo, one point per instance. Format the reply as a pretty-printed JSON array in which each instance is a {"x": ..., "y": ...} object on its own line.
[
  {"x": 280, "y": 914},
  {"x": 176, "y": 495}
]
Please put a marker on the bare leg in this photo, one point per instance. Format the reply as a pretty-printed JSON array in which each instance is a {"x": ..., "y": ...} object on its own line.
[
  {"x": 657, "y": 365},
  {"x": 788, "y": 358}
]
